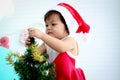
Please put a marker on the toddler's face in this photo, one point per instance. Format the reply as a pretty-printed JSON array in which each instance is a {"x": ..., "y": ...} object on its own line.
[{"x": 55, "y": 27}]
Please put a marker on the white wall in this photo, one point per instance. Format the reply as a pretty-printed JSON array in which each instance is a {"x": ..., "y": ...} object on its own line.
[{"x": 99, "y": 56}]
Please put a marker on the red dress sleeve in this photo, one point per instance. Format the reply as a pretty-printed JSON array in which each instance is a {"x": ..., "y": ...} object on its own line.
[{"x": 65, "y": 68}]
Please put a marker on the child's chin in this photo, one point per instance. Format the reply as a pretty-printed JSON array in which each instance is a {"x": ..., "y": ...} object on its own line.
[{"x": 51, "y": 35}]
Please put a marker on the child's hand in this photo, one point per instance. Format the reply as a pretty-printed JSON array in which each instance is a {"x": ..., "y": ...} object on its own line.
[
  {"x": 27, "y": 42},
  {"x": 33, "y": 32}
]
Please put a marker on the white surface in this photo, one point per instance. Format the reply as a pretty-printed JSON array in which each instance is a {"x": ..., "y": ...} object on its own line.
[{"x": 99, "y": 56}]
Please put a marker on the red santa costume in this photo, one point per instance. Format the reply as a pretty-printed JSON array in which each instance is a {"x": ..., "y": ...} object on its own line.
[{"x": 66, "y": 64}]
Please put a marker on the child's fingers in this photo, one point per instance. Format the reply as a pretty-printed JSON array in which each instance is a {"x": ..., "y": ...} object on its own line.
[
  {"x": 27, "y": 42},
  {"x": 31, "y": 32}
]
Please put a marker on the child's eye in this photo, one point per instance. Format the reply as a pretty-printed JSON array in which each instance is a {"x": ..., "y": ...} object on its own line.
[
  {"x": 46, "y": 25},
  {"x": 53, "y": 24}
]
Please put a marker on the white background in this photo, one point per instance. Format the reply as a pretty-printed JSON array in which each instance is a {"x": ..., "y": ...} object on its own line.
[{"x": 99, "y": 57}]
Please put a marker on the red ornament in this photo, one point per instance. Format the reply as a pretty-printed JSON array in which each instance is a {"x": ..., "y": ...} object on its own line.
[{"x": 4, "y": 42}]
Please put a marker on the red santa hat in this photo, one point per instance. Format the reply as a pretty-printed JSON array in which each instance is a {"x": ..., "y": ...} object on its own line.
[{"x": 73, "y": 19}]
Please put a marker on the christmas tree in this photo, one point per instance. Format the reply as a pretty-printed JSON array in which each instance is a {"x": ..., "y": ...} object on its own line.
[{"x": 32, "y": 65}]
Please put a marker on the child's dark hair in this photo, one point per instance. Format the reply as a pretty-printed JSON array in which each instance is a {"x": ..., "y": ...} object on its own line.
[{"x": 50, "y": 12}]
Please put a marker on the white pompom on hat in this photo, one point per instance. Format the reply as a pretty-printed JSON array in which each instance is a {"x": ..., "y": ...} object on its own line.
[{"x": 74, "y": 21}]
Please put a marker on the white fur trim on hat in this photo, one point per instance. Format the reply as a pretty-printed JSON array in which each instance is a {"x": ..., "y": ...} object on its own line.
[{"x": 70, "y": 21}]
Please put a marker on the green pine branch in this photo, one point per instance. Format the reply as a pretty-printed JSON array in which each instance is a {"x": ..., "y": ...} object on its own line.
[{"x": 30, "y": 69}]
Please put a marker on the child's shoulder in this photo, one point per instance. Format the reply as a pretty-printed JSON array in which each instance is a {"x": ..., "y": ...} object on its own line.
[{"x": 69, "y": 39}]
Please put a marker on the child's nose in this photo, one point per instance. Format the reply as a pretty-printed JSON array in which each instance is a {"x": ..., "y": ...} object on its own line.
[{"x": 48, "y": 27}]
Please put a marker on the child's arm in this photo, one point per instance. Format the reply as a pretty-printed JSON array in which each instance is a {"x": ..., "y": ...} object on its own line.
[
  {"x": 42, "y": 48},
  {"x": 67, "y": 44}
]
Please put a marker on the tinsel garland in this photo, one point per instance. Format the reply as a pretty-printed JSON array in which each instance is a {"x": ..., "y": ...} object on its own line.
[{"x": 33, "y": 65}]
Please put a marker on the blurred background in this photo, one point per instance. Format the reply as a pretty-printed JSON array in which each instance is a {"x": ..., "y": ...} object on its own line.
[{"x": 99, "y": 56}]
